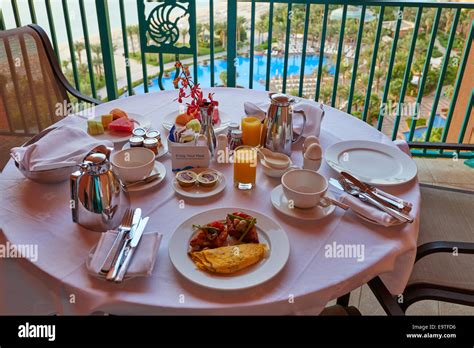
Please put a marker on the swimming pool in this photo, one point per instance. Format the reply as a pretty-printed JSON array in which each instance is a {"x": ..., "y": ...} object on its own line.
[
  {"x": 420, "y": 132},
  {"x": 243, "y": 67}
]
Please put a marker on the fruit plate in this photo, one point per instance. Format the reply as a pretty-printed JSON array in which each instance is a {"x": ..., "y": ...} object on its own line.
[
  {"x": 224, "y": 120},
  {"x": 118, "y": 137}
]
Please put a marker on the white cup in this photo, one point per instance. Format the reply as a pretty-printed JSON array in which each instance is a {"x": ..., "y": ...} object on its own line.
[
  {"x": 305, "y": 188},
  {"x": 133, "y": 164}
]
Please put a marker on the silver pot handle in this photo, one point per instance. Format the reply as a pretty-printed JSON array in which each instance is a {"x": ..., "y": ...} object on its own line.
[{"x": 302, "y": 129}]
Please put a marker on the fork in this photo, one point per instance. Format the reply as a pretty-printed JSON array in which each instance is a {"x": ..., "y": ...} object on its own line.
[
  {"x": 367, "y": 199},
  {"x": 123, "y": 228}
]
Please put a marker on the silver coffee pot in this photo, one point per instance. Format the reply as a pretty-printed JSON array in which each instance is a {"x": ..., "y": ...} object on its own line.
[
  {"x": 277, "y": 129},
  {"x": 98, "y": 201}
]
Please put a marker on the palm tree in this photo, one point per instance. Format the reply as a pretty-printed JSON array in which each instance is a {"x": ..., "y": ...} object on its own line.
[
  {"x": 65, "y": 64},
  {"x": 133, "y": 30},
  {"x": 262, "y": 26},
  {"x": 221, "y": 30},
  {"x": 241, "y": 21},
  {"x": 184, "y": 33},
  {"x": 97, "y": 60},
  {"x": 79, "y": 47}
]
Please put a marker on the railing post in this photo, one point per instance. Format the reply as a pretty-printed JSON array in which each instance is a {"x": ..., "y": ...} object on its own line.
[
  {"x": 2, "y": 22},
  {"x": 107, "y": 49},
  {"x": 231, "y": 42}
]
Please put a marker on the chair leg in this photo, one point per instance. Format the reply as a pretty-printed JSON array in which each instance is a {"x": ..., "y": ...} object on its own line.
[
  {"x": 344, "y": 300},
  {"x": 385, "y": 298}
]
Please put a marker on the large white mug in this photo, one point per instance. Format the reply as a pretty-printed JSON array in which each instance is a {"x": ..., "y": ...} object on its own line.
[{"x": 305, "y": 188}]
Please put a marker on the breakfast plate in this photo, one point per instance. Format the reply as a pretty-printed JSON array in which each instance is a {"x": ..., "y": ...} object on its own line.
[
  {"x": 371, "y": 162},
  {"x": 198, "y": 191},
  {"x": 280, "y": 202},
  {"x": 162, "y": 150},
  {"x": 224, "y": 120},
  {"x": 118, "y": 137},
  {"x": 157, "y": 168},
  {"x": 270, "y": 234}
]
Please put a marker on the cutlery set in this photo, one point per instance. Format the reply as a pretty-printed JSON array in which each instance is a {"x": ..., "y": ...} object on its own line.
[
  {"x": 120, "y": 254},
  {"x": 392, "y": 205}
]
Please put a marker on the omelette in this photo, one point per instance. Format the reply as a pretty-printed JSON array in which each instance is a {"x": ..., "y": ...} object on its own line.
[{"x": 229, "y": 259}]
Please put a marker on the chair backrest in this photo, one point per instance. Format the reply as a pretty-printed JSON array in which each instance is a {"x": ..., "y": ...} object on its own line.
[{"x": 32, "y": 95}]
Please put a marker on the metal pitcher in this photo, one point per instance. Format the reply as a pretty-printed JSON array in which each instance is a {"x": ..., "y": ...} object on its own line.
[
  {"x": 277, "y": 130},
  {"x": 98, "y": 201}
]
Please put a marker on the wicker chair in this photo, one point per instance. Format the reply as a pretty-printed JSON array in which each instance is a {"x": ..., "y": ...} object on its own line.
[{"x": 32, "y": 87}]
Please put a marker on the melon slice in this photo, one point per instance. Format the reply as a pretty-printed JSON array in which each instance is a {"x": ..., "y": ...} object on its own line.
[{"x": 122, "y": 125}]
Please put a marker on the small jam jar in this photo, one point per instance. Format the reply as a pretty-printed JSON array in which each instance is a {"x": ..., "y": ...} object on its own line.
[
  {"x": 154, "y": 134},
  {"x": 139, "y": 132},
  {"x": 136, "y": 141},
  {"x": 232, "y": 126},
  {"x": 152, "y": 144}
]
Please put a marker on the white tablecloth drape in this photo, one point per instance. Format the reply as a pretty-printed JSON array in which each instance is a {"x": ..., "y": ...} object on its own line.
[{"x": 57, "y": 281}]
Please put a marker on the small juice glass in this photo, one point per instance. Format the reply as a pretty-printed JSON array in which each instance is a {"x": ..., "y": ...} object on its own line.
[
  {"x": 245, "y": 167},
  {"x": 251, "y": 128}
]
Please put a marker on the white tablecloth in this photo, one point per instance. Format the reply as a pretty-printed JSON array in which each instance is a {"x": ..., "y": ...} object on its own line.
[{"x": 32, "y": 213}]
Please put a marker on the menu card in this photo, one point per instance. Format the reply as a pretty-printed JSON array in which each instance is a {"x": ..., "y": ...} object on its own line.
[{"x": 187, "y": 157}]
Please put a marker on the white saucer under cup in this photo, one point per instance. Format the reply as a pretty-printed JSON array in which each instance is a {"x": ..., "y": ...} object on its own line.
[{"x": 280, "y": 202}]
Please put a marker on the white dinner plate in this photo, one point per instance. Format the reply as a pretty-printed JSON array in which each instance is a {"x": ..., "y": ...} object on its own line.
[
  {"x": 224, "y": 120},
  {"x": 371, "y": 162},
  {"x": 118, "y": 137},
  {"x": 157, "y": 168},
  {"x": 162, "y": 150},
  {"x": 198, "y": 191},
  {"x": 269, "y": 232},
  {"x": 280, "y": 202}
]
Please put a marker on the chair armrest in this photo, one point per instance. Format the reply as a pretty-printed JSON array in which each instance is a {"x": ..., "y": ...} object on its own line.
[
  {"x": 385, "y": 298},
  {"x": 57, "y": 70},
  {"x": 443, "y": 247}
]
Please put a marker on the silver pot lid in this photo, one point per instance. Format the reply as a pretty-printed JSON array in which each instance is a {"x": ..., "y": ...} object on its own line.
[{"x": 281, "y": 99}]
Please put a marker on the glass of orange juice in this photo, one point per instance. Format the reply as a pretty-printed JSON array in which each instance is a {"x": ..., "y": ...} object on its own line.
[
  {"x": 245, "y": 167},
  {"x": 251, "y": 128}
]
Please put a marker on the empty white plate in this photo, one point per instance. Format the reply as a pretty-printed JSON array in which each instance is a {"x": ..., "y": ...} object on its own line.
[{"x": 371, "y": 162}]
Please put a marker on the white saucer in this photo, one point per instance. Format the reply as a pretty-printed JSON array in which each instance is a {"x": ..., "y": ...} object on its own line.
[
  {"x": 162, "y": 150},
  {"x": 272, "y": 172},
  {"x": 280, "y": 202},
  {"x": 158, "y": 168}
]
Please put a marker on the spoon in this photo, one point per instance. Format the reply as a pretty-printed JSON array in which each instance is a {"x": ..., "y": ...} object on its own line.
[{"x": 274, "y": 159}]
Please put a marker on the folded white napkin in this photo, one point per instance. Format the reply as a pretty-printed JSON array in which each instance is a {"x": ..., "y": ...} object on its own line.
[
  {"x": 63, "y": 147},
  {"x": 368, "y": 211},
  {"x": 314, "y": 116},
  {"x": 143, "y": 259}
]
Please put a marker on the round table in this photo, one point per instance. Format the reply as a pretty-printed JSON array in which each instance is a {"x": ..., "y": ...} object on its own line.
[{"x": 58, "y": 281}]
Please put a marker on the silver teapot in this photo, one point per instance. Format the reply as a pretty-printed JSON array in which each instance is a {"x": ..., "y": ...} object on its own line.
[
  {"x": 277, "y": 129},
  {"x": 98, "y": 201}
]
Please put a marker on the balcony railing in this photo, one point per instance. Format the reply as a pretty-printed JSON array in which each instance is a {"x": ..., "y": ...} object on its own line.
[{"x": 397, "y": 65}]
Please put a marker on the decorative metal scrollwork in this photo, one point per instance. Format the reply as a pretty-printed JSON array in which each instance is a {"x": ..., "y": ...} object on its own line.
[{"x": 162, "y": 26}]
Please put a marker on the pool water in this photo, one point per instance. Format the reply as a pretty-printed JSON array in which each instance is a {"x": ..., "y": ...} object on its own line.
[
  {"x": 420, "y": 132},
  {"x": 243, "y": 68}
]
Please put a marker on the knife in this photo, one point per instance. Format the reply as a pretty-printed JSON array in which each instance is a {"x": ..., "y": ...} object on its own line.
[
  {"x": 130, "y": 249},
  {"x": 137, "y": 215},
  {"x": 383, "y": 204}
]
